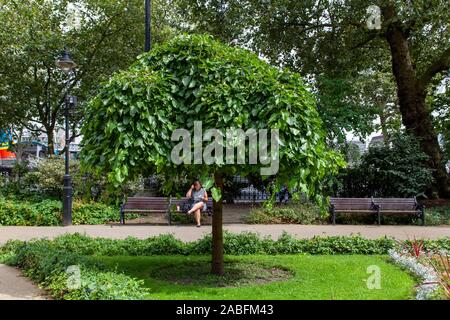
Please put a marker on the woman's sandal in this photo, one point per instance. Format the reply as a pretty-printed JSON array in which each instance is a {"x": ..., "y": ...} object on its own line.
[{"x": 198, "y": 226}]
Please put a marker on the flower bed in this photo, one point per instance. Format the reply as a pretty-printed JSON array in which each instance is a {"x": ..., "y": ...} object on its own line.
[
  {"x": 426, "y": 290},
  {"x": 431, "y": 266}
]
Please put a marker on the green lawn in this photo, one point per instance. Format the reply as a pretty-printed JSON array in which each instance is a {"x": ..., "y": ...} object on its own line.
[{"x": 310, "y": 277}]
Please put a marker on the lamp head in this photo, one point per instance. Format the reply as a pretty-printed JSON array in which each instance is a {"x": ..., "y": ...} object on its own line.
[{"x": 65, "y": 63}]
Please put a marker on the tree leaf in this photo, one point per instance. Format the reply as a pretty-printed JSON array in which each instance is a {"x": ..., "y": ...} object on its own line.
[{"x": 216, "y": 194}]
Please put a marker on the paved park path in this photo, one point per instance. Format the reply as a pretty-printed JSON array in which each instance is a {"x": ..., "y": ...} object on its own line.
[
  {"x": 14, "y": 286},
  {"x": 190, "y": 233}
]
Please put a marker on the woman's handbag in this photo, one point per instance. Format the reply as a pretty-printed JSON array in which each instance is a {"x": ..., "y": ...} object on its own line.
[{"x": 187, "y": 205}]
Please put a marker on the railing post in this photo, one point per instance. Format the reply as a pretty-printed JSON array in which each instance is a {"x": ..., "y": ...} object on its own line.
[
  {"x": 333, "y": 214},
  {"x": 169, "y": 211}
]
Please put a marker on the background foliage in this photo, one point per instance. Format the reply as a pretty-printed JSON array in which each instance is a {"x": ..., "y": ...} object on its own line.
[
  {"x": 358, "y": 72},
  {"x": 394, "y": 170},
  {"x": 101, "y": 36}
]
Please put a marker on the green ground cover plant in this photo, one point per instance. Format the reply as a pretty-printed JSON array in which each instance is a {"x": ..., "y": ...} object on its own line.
[
  {"x": 437, "y": 215},
  {"x": 50, "y": 269},
  {"x": 299, "y": 213},
  {"x": 48, "y": 212}
]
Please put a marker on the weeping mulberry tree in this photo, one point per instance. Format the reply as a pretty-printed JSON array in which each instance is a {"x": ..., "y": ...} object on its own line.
[{"x": 129, "y": 126}]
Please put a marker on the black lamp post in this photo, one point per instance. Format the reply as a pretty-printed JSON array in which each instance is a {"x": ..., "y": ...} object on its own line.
[
  {"x": 148, "y": 43},
  {"x": 66, "y": 64}
]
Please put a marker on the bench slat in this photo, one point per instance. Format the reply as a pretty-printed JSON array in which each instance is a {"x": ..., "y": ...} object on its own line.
[
  {"x": 396, "y": 204},
  {"x": 145, "y": 210},
  {"x": 353, "y": 211},
  {"x": 399, "y": 211},
  {"x": 147, "y": 202},
  {"x": 149, "y": 208}
]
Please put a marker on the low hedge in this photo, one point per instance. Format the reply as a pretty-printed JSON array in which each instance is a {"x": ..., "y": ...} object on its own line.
[
  {"x": 14, "y": 212},
  {"x": 234, "y": 244}
]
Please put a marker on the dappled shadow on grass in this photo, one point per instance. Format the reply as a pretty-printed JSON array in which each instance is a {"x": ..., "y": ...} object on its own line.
[{"x": 237, "y": 274}]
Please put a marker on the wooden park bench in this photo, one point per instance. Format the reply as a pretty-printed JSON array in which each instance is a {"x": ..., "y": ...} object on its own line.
[
  {"x": 144, "y": 205},
  {"x": 162, "y": 205},
  {"x": 350, "y": 205},
  {"x": 376, "y": 206},
  {"x": 399, "y": 206}
]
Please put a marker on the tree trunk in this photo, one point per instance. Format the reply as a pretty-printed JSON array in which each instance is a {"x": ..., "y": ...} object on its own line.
[
  {"x": 383, "y": 118},
  {"x": 411, "y": 95},
  {"x": 51, "y": 141},
  {"x": 217, "y": 232}
]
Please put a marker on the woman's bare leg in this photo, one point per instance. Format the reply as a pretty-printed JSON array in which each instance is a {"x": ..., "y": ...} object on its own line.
[
  {"x": 197, "y": 216},
  {"x": 196, "y": 207}
]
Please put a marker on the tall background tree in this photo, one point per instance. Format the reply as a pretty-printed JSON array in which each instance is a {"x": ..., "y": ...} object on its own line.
[
  {"x": 102, "y": 37},
  {"x": 337, "y": 41},
  {"x": 130, "y": 123}
]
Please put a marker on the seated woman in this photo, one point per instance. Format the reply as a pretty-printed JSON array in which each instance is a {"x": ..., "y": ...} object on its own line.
[{"x": 200, "y": 197}]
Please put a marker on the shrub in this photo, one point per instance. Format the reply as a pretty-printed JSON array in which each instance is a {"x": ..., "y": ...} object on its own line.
[
  {"x": 395, "y": 170},
  {"x": 437, "y": 215},
  {"x": 48, "y": 175},
  {"x": 96, "y": 285},
  {"x": 184, "y": 218},
  {"x": 368, "y": 219},
  {"x": 14, "y": 212},
  {"x": 3, "y": 181},
  {"x": 435, "y": 218},
  {"x": 432, "y": 265},
  {"x": 19, "y": 213},
  {"x": 93, "y": 213},
  {"x": 45, "y": 180},
  {"x": 300, "y": 213}
]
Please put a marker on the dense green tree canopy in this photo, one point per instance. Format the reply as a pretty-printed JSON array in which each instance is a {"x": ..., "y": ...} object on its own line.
[{"x": 129, "y": 124}]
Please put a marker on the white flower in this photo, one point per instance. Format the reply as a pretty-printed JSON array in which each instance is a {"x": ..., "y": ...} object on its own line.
[{"x": 429, "y": 277}]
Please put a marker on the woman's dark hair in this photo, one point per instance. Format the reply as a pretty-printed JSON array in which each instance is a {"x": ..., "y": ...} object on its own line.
[{"x": 198, "y": 181}]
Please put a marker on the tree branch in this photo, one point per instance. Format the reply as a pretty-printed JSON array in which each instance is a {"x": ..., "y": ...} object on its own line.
[
  {"x": 25, "y": 125},
  {"x": 369, "y": 38},
  {"x": 442, "y": 63},
  {"x": 71, "y": 138}
]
